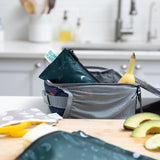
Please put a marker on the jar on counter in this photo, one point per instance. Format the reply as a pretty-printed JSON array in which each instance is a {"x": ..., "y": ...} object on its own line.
[{"x": 40, "y": 28}]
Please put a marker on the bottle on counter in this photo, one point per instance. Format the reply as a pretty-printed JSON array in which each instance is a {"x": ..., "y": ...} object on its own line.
[
  {"x": 1, "y": 30},
  {"x": 78, "y": 36},
  {"x": 65, "y": 29}
]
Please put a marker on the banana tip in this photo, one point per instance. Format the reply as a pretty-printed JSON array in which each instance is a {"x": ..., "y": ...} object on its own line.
[{"x": 133, "y": 55}]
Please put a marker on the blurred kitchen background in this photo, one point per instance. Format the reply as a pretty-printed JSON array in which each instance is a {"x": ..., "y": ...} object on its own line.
[
  {"x": 102, "y": 33},
  {"x": 98, "y": 18}
]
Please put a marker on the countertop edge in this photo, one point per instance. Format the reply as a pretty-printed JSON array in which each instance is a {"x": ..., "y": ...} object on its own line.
[{"x": 24, "y": 49}]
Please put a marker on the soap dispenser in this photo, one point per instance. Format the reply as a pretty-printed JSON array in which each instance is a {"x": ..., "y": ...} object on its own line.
[
  {"x": 78, "y": 31},
  {"x": 1, "y": 30},
  {"x": 65, "y": 29}
]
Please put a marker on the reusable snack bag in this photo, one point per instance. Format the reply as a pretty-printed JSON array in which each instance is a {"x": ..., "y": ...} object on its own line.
[
  {"x": 66, "y": 68},
  {"x": 61, "y": 145}
]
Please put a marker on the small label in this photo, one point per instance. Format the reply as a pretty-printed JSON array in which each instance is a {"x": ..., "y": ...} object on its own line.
[{"x": 50, "y": 56}]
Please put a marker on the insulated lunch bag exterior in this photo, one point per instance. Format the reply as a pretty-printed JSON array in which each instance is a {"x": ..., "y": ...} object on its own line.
[{"x": 104, "y": 100}]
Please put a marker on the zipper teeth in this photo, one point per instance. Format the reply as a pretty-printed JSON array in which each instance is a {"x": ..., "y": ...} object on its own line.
[{"x": 85, "y": 84}]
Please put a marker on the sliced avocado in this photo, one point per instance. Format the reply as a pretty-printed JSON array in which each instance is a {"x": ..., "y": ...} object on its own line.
[
  {"x": 133, "y": 121},
  {"x": 152, "y": 126},
  {"x": 153, "y": 143}
]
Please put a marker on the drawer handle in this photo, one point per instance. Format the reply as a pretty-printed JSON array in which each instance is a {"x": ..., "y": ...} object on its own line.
[
  {"x": 124, "y": 66},
  {"x": 38, "y": 65},
  {"x": 138, "y": 67}
]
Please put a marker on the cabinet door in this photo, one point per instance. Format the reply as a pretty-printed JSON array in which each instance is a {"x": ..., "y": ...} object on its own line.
[
  {"x": 148, "y": 71},
  {"x": 19, "y": 77}
]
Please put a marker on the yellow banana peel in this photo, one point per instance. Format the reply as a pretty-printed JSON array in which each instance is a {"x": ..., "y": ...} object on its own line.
[
  {"x": 128, "y": 77},
  {"x": 17, "y": 130}
]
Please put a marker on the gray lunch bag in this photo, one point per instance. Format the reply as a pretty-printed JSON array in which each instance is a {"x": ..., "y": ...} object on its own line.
[{"x": 105, "y": 100}]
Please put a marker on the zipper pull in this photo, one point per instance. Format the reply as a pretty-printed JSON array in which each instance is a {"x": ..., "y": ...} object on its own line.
[{"x": 73, "y": 55}]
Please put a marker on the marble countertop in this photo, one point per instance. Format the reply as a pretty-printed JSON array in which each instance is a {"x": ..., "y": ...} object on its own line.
[{"x": 25, "y": 49}]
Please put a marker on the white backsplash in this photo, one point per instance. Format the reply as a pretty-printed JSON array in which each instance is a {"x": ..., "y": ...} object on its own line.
[{"x": 98, "y": 18}]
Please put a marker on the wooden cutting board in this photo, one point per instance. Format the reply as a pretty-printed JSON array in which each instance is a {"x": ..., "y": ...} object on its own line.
[{"x": 110, "y": 131}]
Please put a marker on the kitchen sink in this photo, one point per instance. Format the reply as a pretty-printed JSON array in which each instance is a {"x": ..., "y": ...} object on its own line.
[{"x": 120, "y": 46}]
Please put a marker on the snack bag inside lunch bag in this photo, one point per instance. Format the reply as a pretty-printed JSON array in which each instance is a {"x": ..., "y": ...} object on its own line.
[{"x": 66, "y": 68}]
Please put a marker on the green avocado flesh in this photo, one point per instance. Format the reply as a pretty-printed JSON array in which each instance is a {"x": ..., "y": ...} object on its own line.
[
  {"x": 152, "y": 126},
  {"x": 133, "y": 121},
  {"x": 153, "y": 143}
]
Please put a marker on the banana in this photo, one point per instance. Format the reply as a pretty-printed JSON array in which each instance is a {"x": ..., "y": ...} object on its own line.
[
  {"x": 18, "y": 130},
  {"x": 128, "y": 77}
]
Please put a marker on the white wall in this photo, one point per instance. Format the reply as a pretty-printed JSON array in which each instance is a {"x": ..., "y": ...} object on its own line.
[{"x": 98, "y": 18}]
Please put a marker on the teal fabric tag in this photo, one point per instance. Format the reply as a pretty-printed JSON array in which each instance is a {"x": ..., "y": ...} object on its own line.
[{"x": 50, "y": 56}]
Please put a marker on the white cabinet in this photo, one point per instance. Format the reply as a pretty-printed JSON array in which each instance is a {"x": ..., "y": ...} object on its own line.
[
  {"x": 149, "y": 71},
  {"x": 19, "y": 77}
]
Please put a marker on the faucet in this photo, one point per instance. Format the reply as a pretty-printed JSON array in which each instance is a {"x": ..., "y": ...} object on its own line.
[
  {"x": 149, "y": 34},
  {"x": 124, "y": 31}
]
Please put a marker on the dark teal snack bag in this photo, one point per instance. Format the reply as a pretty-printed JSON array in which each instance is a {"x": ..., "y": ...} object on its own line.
[
  {"x": 75, "y": 146},
  {"x": 66, "y": 68}
]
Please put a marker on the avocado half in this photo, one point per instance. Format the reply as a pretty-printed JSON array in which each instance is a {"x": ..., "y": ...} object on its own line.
[
  {"x": 152, "y": 126},
  {"x": 133, "y": 121}
]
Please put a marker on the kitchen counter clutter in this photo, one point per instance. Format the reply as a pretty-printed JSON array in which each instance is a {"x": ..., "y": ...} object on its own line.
[{"x": 110, "y": 131}]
